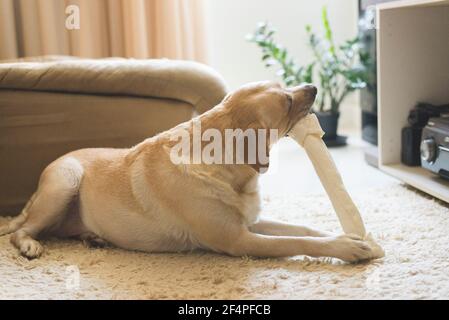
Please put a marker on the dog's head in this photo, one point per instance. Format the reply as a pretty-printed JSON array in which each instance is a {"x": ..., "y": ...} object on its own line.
[{"x": 267, "y": 105}]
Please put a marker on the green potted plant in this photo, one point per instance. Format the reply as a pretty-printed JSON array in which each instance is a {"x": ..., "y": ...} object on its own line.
[{"x": 339, "y": 70}]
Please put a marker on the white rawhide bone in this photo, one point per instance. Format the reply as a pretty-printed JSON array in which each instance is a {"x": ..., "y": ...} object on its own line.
[{"x": 308, "y": 133}]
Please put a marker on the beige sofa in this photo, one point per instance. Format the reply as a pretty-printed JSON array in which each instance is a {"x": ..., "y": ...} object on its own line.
[{"x": 50, "y": 106}]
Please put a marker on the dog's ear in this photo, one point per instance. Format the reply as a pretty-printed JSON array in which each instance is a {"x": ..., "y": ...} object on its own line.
[{"x": 259, "y": 159}]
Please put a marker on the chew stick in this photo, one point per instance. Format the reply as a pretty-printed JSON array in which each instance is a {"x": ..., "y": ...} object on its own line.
[{"x": 308, "y": 133}]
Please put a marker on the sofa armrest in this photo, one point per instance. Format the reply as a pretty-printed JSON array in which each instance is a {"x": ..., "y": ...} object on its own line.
[{"x": 191, "y": 82}]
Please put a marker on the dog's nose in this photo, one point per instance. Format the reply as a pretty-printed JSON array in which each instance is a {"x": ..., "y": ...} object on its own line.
[{"x": 311, "y": 89}]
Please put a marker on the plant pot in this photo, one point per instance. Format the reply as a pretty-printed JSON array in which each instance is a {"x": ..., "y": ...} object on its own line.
[{"x": 329, "y": 124}]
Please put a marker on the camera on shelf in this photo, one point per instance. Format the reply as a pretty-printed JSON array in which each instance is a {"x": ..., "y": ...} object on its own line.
[
  {"x": 435, "y": 146},
  {"x": 412, "y": 135}
]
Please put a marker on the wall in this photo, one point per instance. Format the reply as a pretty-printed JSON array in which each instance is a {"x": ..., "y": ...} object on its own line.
[{"x": 229, "y": 21}]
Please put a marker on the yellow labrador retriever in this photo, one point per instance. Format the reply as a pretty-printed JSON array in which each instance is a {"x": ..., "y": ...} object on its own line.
[{"x": 139, "y": 199}]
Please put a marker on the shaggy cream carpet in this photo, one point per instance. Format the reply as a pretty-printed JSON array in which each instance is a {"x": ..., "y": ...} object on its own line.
[{"x": 412, "y": 228}]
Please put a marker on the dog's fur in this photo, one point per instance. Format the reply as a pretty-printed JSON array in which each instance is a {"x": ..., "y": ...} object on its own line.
[{"x": 138, "y": 199}]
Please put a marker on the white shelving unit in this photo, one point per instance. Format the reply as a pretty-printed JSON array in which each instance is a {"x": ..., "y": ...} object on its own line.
[{"x": 412, "y": 66}]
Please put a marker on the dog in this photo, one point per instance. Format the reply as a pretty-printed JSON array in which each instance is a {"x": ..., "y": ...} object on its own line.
[{"x": 139, "y": 199}]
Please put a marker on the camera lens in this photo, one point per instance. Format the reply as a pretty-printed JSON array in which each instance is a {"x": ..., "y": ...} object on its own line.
[{"x": 428, "y": 150}]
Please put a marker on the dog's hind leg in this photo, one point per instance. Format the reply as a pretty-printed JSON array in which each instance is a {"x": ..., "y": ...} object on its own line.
[
  {"x": 58, "y": 185},
  {"x": 18, "y": 221}
]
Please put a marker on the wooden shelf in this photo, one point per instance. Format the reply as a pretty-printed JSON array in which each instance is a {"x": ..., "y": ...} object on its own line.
[
  {"x": 411, "y": 3},
  {"x": 412, "y": 67},
  {"x": 421, "y": 179}
]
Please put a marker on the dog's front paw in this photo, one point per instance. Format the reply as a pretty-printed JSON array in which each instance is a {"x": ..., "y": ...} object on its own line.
[{"x": 349, "y": 248}]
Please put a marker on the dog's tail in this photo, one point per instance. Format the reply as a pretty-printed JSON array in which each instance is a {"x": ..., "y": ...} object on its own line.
[{"x": 17, "y": 222}]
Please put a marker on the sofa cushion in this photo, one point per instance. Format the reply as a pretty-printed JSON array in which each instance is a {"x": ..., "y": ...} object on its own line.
[{"x": 191, "y": 82}]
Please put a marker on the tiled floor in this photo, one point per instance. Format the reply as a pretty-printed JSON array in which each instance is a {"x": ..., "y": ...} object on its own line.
[{"x": 291, "y": 170}]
